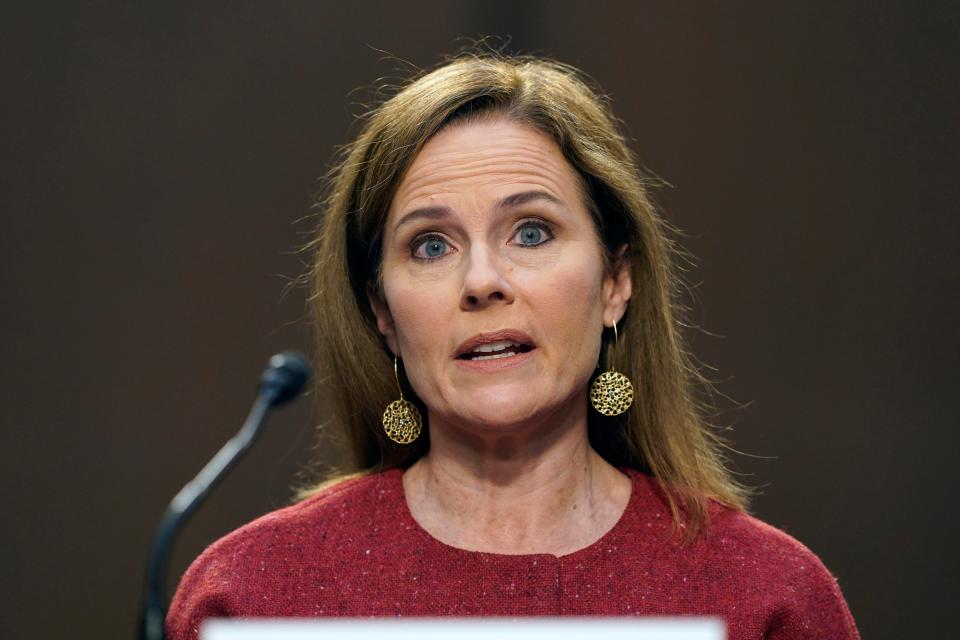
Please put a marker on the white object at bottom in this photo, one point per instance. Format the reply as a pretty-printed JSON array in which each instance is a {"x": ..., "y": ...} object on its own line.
[{"x": 572, "y": 628}]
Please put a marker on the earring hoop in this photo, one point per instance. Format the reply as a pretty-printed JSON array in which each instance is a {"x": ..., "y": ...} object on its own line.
[
  {"x": 401, "y": 419},
  {"x": 611, "y": 393}
]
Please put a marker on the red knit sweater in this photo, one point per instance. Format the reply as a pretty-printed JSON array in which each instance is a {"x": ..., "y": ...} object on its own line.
[{"x": 355, "y": 550}]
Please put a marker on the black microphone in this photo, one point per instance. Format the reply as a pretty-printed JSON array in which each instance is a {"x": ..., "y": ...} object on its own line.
[{"x": 282, "y": 380}]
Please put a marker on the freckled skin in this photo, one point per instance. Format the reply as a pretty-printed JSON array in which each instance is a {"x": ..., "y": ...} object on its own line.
[{"x": 488, "y": 279}]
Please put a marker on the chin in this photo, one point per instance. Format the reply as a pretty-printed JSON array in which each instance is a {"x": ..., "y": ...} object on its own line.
[{"x": 503, "y": 411}]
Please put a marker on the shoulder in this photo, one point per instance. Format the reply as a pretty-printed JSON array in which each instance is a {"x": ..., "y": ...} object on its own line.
[
  {"x": 729, "y": 535},
  {"x": 803, "y": 594},
  {"x": 733, "y": 531},
  {"x": 737, "y": 557},
  {"x": 348, "y": 503},
  {"x": 288, "y": 546}
]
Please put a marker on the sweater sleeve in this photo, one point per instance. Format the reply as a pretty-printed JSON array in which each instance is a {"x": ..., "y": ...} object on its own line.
[
  {"x": 248, "y": 572},
  {"x": 813, "y": 608},
  {"x": 203, "y": 593}
]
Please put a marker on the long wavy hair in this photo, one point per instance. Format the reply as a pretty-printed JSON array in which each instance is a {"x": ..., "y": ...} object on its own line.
[{"x": 665, "y": 432}]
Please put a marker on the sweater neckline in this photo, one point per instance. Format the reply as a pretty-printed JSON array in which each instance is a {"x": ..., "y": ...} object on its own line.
[{"x": 410, "y": 523}]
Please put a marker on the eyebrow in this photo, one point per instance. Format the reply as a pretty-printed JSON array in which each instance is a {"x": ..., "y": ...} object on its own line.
[
  {"x": 428, "y": 213},
  {"x": 525, "y": 197},
  {"x": 508, "y": 202}
]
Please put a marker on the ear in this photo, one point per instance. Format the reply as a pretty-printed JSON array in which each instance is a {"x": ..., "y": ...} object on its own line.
[
  {"x": 617, "y": 288},
  {"x": 384, "y": 319}
]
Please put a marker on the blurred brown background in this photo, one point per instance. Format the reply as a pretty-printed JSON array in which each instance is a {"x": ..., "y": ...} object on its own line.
[{"x": 157, "y": 158}]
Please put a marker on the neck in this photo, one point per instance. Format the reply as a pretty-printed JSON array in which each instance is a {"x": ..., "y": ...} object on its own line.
[{"x": 535, "y": 488}]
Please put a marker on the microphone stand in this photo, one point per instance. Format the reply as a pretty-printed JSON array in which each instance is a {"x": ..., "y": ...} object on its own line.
[{"x": 281, "y": 381}]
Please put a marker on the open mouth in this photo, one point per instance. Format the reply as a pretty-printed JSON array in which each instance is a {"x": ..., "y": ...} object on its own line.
[{"x": 495, "y": 350}]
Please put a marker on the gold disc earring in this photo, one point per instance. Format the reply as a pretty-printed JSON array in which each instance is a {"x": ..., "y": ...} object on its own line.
[
  {"x": 612, "y": 392},
  {"x": 401, "y": 419}
]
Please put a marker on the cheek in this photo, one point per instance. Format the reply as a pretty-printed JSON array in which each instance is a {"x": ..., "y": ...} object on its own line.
[
  {"x": 570, "y": 295},
  {"x": 567, "y": 312},
  {"x": 421, "y": 317}
]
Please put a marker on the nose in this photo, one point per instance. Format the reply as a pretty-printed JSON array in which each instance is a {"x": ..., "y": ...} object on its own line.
[{"x": 484, "y": 282}]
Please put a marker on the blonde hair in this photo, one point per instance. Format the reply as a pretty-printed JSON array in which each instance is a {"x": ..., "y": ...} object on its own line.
[{"x": 664, "y": 433}]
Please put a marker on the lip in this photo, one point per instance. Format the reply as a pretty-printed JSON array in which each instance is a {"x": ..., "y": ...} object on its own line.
[
  {"x": 513, "y": 335},
  {"x": 497, "y": 364}
]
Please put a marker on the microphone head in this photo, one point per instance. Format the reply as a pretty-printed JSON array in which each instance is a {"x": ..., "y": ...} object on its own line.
[{"x": 284, "y": 377}]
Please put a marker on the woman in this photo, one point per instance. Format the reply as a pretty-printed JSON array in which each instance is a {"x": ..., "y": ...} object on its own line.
[{"x": 496, "y": 305}]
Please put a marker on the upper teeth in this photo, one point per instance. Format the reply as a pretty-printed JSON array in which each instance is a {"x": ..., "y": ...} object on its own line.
[{"x": 495, "y": 346}]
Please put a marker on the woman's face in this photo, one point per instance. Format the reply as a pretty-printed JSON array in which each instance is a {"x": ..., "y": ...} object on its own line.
[{"x": 494, "y": 284}]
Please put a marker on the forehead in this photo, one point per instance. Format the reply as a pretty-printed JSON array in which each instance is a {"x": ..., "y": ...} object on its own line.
[{"x": 492, "y": 155}]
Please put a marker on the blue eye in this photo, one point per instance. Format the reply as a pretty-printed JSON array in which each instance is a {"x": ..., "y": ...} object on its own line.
[
  {"x": 430, "y": 248},
  {"x": 531, "y": 234}
]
